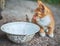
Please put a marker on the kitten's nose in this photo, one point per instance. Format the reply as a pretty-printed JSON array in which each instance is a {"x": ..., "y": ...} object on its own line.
[{"x": 0, "y": 14}]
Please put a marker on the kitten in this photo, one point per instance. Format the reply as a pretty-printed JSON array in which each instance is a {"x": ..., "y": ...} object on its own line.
[{"x": 45, "y": 19}]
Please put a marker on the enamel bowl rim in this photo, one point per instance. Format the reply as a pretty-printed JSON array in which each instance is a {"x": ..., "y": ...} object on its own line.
[{"x": 34, "y": 25}]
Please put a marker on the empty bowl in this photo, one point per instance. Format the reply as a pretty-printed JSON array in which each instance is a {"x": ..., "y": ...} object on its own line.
[{"x": 20, "y": 32}]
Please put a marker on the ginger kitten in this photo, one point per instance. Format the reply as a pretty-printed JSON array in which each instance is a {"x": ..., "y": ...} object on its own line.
[{"x": 45, "y": 19}]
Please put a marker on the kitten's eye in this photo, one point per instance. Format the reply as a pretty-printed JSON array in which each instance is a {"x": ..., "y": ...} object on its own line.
[{"x": 42, "y": 10}]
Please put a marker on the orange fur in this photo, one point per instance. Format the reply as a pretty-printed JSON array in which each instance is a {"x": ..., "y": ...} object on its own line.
[{"x": 42, "y": 11}]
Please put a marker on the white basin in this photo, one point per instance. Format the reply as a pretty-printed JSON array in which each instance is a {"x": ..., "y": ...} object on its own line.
[{"x": 20, "y": 32}]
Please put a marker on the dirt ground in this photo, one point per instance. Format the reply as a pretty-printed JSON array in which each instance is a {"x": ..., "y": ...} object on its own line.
[{"x": 13, "y": 12}]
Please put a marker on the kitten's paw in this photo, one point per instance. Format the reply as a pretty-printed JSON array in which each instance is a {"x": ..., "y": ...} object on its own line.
[
  {"x": 51, "y": 35},
  {"x": 42, "y": 34}
]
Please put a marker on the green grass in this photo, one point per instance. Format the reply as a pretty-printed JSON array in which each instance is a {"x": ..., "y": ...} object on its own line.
[{"x": 55, "y": 2}]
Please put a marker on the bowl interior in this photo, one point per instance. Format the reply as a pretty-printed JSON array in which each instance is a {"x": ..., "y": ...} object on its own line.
[{"x": 20, "y": 28}]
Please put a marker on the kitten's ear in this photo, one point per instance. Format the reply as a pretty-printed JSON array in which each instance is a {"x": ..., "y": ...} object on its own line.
[
  {"x": 39, "y": 3},
  {"x": 41, "y": 6}
]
